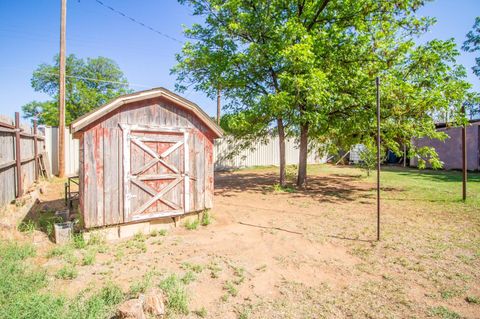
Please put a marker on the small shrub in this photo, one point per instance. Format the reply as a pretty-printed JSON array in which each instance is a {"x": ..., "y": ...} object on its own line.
[
  {"x": 119, "y": 253},
  {"x": 188, "y": 277},
  {"x": 88, "y": 257},
  {"x": 277, "y": 188},
  {"x": 244, "y": 314},
  {"x": 67, "y": 272},
  {"x": 78, "y": 241},
  {"x": 444, "y": 313},
  {"x": 291, "y": 172},
  {"x": 230, "y": 288},
  {"x": 473, "y": 300},
  {"x": 239, "y": 272},
  {"x": 202, "y": 312},
  {"x": 96, "y": 239},
  {"x": 46, "y": 220},
  {"x": 137, "y": 244},
  {"x": 160, "y": 232},
  {"x": 99, "y": 305},
  {"x": 214, "y": 270},
  {"x": 206, "y": 218},
  {"x": 27, "y": 226},
  {"x": 191, "y": 224},
  {"x": 58, "y": 251},
  {"x": 193, "y": 267},
  {"x": 142, "y": 285},
  {"x": 140, "y": 237},
  {"x": 448, "y": 293},
  {"x": 177, "y": 300},
  {"x": 111, "y": 294}
]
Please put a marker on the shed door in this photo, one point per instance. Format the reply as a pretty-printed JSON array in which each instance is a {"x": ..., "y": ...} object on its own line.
[{"x": 155, "y": 167}]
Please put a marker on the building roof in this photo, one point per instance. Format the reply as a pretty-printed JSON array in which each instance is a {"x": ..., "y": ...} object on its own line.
[{"x": 103, "y": 110}]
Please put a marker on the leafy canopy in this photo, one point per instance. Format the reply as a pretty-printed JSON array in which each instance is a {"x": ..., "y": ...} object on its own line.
[
  {"x": 313, "y": 64},
  {"x": 90, "y": 83},
  {"x": 472, "y": 44}
]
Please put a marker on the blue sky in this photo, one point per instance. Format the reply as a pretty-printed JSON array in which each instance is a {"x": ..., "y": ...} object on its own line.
[{"x": 29, "y": 35}]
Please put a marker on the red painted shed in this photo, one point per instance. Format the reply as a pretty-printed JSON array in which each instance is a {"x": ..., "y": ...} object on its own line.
[{"x": 144, "y": 156}]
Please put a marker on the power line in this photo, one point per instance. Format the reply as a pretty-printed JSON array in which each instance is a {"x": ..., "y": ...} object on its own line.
[
  {"x": 93, "y": 79},
  {"x": 138, "y": 22}
]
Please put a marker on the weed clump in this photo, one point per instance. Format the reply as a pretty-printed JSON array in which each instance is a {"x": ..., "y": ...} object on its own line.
[
  {"x": 177, "y": 299},
  {"x": 191, "y": 224},
  {"x": 206, "y": 218}
]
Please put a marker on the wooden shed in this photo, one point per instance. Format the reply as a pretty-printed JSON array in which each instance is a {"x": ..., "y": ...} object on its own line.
[{"x": 144, "y": 156}]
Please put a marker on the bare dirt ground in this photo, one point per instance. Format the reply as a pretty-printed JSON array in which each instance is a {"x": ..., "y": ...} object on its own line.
[{"x": 308, "y": 253}]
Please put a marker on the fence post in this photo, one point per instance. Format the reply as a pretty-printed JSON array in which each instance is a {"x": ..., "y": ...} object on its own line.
[
  {"x": 35, "y": 148},
  {"x": 18, "y": 158}
]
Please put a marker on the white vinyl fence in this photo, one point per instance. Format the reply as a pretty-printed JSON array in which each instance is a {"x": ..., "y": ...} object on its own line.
[
  {"x": 71, "y": 150},
  {"x": 259, "y": 154}
]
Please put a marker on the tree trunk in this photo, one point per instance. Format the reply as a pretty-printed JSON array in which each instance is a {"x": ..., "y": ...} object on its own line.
[
  {"x": 302, "y": 161},
  {"x": 281, "y": 142}
]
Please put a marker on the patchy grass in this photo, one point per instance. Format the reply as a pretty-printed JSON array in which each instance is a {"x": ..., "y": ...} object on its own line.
[
  {"x": 177, "y": 299},
  {"x": 197, "y": 268},
  {"x": 188, "y": 277},
  {"x": 230, "y": 288},
  {"x": 277, "y": 188},
  {"x": 429, "y": 254},
  {"x": 141, "y": 286},
  {"x": 159, "y": 232},
  {"x": 444, "y": 313},
  {"x": 473, "y": 300},
  {"x": 191, "y": 223},
  {"x": 215, "y": 269},
  {"x": 206, "y": 218},
  {"x": 23, "y": 295},
  {"x": 67, "y": 272},
  {"x": 44, "y": 221},
  {"x": 89, "y": 257},
  {"x": 202, "y": 312}
]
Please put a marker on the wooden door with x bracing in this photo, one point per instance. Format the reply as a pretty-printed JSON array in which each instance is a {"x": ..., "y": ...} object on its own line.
[{"x": 155, "y": 172}]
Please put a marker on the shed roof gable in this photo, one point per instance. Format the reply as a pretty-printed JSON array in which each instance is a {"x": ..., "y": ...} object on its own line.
[{"x": 97, "y": 113}]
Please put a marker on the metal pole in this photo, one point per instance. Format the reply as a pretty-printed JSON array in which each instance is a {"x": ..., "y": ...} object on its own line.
[
  {"x": 218, "y": 103},
  {"x": 464, "y": 159},
  {"x": 377, "y": 81},
  {"x": 61, "y": 95}
]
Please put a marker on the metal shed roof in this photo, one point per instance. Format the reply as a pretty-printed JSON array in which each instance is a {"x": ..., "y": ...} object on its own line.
[{"x": 97, "y": 113}]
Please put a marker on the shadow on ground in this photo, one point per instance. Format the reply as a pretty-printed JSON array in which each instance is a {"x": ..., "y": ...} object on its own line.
[
  {"x": 41, "y": 217},
  {"x": 332, "y": 188}
]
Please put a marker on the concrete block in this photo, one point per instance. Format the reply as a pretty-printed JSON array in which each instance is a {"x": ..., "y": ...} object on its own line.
[
  {"x": 64, "y": 214},
  {"x": 157, "y": 225},
  {"x": 108, "y": 233},
  {"x": 127, "y": 231},
  {"x": 63, "y": 232}
]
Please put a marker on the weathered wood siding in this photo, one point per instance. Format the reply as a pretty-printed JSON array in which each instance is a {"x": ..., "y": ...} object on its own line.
[
  {"x": 101, "y": 162},
  {"x": 10, "y": 188}
]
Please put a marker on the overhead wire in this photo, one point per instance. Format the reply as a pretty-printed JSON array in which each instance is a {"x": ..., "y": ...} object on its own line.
[
  {"x": 93, "y": 79},
  {"x": 138, "y": 22}
]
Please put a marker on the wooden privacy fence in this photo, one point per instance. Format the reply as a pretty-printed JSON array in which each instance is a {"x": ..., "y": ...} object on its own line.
[{"x": 21, "y": 147}]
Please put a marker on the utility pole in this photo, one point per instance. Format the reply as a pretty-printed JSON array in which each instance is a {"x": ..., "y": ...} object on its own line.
[
  {"x": 61, "y": 95},
  {"x": 219, "y": 88},
  {"x": 377, "y": 82},
  {"x": 464, "y": 159}
]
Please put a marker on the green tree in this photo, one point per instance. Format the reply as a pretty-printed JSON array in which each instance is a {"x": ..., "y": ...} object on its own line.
[
  {"x": 308, "y": 69},
  {"x": 472, "y": 44},
  {"x": 89, "y": 84}
]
